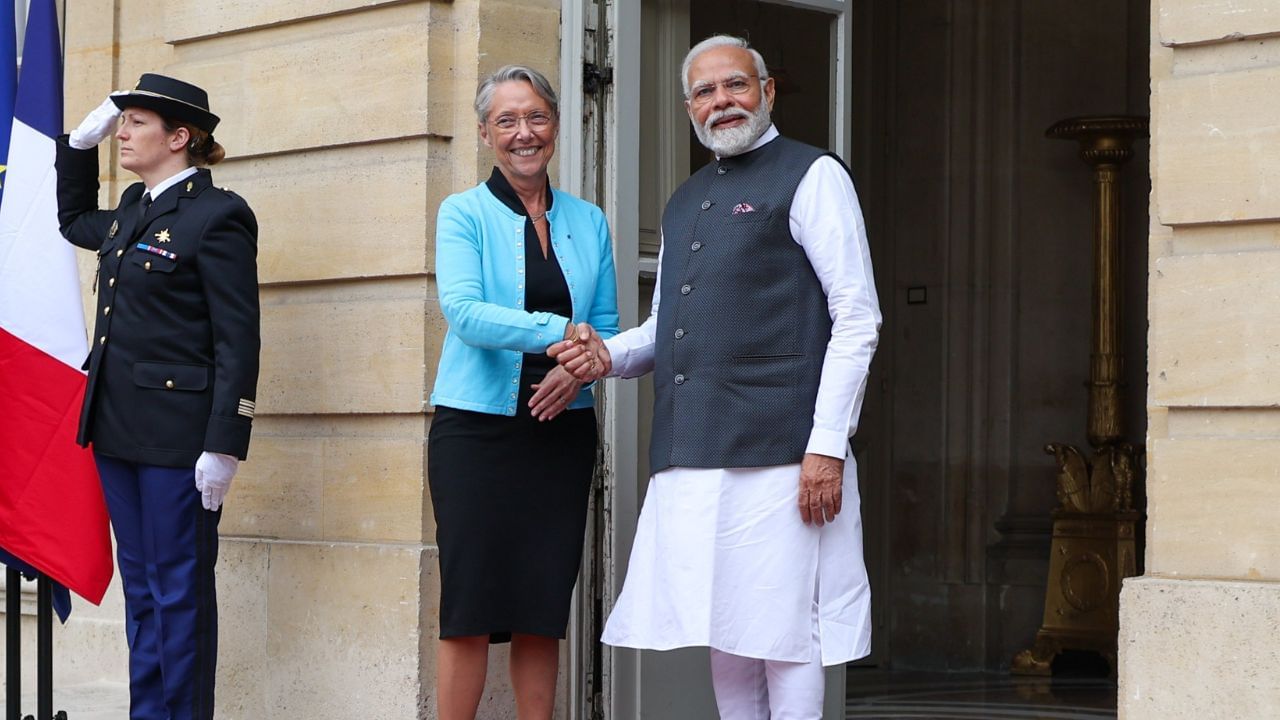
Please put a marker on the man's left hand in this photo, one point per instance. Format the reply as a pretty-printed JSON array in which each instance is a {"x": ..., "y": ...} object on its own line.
[{"x": 821, "y": 488}]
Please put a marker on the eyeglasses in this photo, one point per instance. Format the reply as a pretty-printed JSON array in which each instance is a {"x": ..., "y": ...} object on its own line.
[
  {"x": 702, "y": 92},
  {"x": 537, "y": 120}
]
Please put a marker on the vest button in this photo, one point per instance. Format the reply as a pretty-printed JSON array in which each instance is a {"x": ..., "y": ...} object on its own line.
[
  {"x": 721, "y": 171},
  {"x": 686, "y": 289},
  {"x": 679, "y": 333},
  {"x": 696, "y": 246},
  {"x": 706, "y": 204},
  {"x": 679, "y": 379}
]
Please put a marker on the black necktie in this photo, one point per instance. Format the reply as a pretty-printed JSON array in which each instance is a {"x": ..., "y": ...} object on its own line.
[{"x": 144, "y": 205}]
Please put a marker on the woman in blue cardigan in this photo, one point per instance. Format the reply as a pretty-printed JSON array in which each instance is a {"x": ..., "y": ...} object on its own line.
[{"x": 519, "y": 266}]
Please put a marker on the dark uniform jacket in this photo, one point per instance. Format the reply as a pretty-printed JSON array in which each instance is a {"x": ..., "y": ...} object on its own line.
[{"x": 173, "y": 368}]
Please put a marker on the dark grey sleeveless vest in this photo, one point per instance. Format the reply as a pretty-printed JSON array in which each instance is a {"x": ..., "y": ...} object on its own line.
[{"x": 743, "y": 324}]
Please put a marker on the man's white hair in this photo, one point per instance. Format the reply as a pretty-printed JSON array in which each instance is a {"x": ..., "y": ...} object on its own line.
[{"x": 716, "y": 41}]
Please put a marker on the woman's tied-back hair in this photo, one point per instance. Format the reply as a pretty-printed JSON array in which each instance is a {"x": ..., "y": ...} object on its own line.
[
  {"x": 508, "y": 73},
  {"x": 716, "y": 41},
  {"x": 202, "y": 149}
]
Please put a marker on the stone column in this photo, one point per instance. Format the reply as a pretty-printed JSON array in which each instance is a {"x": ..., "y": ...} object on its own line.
[{"x": 1198, "y": 631}]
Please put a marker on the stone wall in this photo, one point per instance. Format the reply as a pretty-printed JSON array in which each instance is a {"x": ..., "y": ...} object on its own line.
[
  {"x": 345, "y": 122},
  {"x": 1198, "y": 631}
]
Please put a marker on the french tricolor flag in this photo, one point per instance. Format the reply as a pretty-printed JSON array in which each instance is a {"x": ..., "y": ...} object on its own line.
[{"x": 52, "y": 513}]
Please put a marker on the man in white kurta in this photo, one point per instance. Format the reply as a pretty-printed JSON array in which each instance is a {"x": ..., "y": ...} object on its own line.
[{"x": 761, "y": 564}]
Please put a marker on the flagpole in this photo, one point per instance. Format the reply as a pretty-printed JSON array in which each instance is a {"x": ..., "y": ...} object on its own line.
[
  {"x": 13, "y": 644},
  {"x": 44, "y": 647}
]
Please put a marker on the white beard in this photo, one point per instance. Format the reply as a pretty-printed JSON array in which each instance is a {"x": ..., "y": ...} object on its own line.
[{"x": 735, "y": 140}]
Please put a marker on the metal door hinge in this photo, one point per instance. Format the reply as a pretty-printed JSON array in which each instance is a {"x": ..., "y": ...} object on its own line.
[{"x": 593, "y": 78}]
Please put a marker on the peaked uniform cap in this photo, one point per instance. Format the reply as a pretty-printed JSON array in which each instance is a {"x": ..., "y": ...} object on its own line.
[{"x": 169, "y": 98}]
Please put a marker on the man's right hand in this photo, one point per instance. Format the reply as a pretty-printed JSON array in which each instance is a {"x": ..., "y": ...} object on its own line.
[
  {"x": 96, "y": 126},
  {"x": 582, "y": 353}
]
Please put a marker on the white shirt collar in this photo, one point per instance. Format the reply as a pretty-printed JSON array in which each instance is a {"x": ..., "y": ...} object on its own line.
[
  {"x": 761, "y": 141},
  {"x": 170, "y": 182}
]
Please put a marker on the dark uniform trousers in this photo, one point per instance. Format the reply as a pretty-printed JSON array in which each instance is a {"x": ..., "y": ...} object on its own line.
[{"x": 172, "y": 373}]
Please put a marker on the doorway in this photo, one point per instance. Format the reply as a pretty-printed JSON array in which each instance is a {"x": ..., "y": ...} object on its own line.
[
  {"x": 979, "y": 230},
  {"x": 802, "y": 46}
]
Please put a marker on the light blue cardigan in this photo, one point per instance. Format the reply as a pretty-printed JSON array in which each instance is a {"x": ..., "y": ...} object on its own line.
[{"x": 480, "y": 278}]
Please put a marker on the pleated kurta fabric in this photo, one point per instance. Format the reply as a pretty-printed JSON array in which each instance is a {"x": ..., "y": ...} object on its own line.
[{"x": 721, "y": 559}]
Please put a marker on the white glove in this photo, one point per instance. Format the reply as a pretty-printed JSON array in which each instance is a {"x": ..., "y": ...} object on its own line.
[
  {"x": 96, "y": 126},
  {"x": 213, "y": 477}
]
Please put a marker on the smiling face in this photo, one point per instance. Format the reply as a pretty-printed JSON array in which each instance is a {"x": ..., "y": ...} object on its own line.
[
  {"x": 146, "y": 148},
  {"x": 727, "y": 104},
  {"x": 523, "y": 150}
]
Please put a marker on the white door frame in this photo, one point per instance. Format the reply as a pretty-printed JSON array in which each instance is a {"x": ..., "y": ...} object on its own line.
[{"x": 618, "y": 194}]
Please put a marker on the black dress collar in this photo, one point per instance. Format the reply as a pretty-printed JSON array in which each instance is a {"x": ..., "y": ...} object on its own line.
[{"x": 501, "y": 189}]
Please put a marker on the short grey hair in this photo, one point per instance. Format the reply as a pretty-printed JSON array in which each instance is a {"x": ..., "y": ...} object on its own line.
[
  {"x": 716, "y": 41},
  {"x": 510, "y": 73}
]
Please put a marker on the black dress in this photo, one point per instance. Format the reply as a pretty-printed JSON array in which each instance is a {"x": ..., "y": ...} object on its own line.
[{"x": 510, "y": 493}]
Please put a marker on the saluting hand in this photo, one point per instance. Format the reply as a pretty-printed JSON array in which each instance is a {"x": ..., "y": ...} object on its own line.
[
  {"x": 96, "y": 126},
  {"x": 821, "y": 488}
]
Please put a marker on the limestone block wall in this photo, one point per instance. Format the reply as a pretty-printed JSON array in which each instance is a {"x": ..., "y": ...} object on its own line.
[
  {"x": 1198, "y": 631},
  {"x": 345, "y": 122}
]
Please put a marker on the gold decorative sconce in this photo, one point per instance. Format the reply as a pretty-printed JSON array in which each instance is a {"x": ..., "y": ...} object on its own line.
[{"x": 1095, "y": 524}]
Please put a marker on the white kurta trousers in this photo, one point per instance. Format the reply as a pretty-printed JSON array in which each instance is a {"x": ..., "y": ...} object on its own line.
[{"x": 721, "y": 559}]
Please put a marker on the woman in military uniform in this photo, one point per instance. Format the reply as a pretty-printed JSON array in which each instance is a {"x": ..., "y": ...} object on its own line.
[{"x": 169, "y": 401}]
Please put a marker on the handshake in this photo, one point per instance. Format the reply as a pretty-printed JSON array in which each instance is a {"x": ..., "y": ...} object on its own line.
[{"x": 582, "y": 353}]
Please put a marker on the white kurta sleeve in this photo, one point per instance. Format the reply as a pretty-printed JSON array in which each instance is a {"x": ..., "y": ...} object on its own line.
[
  {"x": 632, "y": 350},
  {"x": 826, "y": 221}
]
